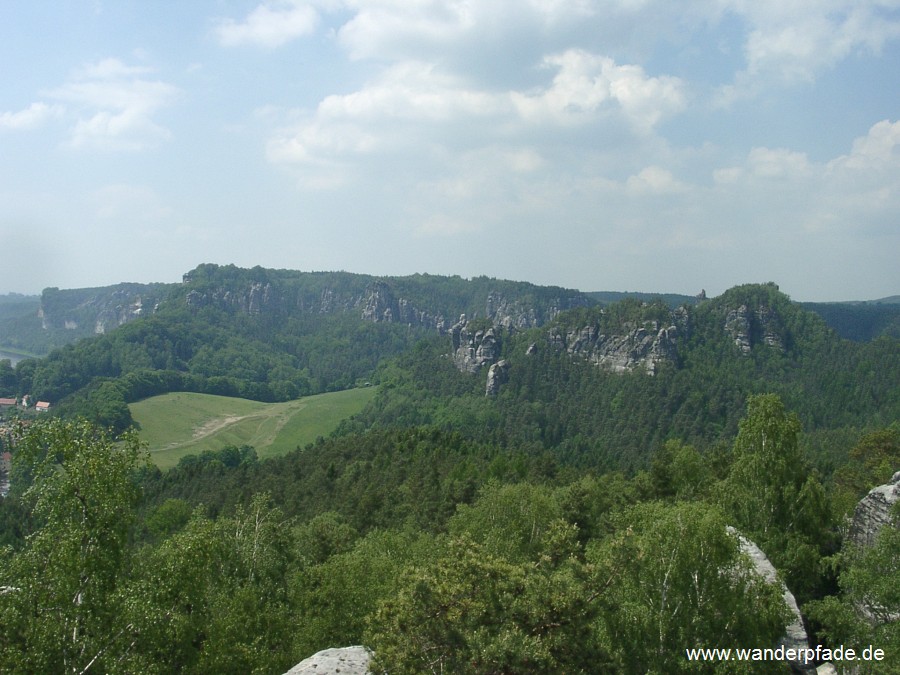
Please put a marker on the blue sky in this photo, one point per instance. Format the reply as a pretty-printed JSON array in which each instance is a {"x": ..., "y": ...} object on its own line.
[{"x": 636, "y": 145}]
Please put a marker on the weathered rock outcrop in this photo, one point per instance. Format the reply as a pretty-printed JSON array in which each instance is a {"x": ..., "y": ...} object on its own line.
[
  {"x": 421, "y": 302},
  {"x": 87, "y": 311},
  {"x": 521, "y": 315},
  {"x": 874, "y": 512},
  {"x": 345, "y": 661},
  {"x": 380, "y": 304},
  {"x": 795, "y": 636},
  {"x": 474, "y": 349},
  {"x": 748, "y": 328},
  {"x": 644, "y": 347},
  {"x": 498, "y": 374}
]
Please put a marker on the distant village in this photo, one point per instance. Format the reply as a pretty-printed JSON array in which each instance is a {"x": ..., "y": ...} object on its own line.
[
  {"x": 8, "y": 424},
  {"x": 23, "y": 404}
]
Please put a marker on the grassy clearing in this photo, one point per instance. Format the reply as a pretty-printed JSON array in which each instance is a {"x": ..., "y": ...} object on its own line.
[{"x": 182, "y": 423}]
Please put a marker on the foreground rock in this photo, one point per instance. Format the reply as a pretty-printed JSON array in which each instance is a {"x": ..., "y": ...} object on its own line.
[
  {"x": 345, "y": 660},
  {"x": 795, "y": 636},
  {"x": 874, "y": 512}
]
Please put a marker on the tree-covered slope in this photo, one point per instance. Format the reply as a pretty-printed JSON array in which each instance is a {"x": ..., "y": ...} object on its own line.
[
  {"x": 568, "y": 390},
  {"x": 268, "y": 335}
]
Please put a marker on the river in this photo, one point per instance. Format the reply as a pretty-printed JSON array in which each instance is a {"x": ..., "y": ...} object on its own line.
[{"x": 15, "y": 358}]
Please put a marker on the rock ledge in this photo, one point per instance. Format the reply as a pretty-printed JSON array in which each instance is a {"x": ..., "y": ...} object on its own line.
[{"x": 344, "y": 660}]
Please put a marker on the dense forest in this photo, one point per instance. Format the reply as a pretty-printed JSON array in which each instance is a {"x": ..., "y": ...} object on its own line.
[{"x": 574, "y": 518}]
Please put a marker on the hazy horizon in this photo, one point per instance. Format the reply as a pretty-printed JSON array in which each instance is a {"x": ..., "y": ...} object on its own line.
[{"x": 584, "y": 290}]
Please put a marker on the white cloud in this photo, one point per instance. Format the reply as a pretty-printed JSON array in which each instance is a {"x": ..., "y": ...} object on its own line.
[
  {"x": 796, "y": 40},
  {"x": 31, "y": 117},
  {"x": 880, "y": 148},
  {"x": 115, "y": 106},
  {"x": 269, "y": 25},
  {"x": 587, "y": 84},
  {"x": 414, "y": 106},
  {"x": 853, "y": 195},
  {"x": 411, "y": 90}
]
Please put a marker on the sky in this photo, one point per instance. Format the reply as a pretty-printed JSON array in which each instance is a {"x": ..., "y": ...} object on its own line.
[{"x": 625, "y": 145}]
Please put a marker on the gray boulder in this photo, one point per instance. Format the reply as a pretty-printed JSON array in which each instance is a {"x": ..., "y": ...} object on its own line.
[
  {"x": 874, "y": 512},
  {"x": 344, "y": 660}
]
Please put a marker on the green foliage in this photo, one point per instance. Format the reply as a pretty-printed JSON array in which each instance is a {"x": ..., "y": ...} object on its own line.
[
  {"x": 444, "y": 529},
  {"x": 866, "y": 611},
  {"x": 593, "y": 418},
  {"x": 8, "y": 381},
  {"x": 475, "y": 612},
  {"x": 212, "y": 597},
  {"x": 678, "y": 581},
  {"x": 323, "y": 536},
  {"x": 872, "y": 462},
  {"x": 511, "y": 521},
  {"x": 859, "y": 321},
  {"x": 168, "y": 518},
  {"x": 772, "y": 497},
  {"x": 335, "y": 597},
  {"x": 679, "y": 471},
  {"x": 60, "y": 611},
  {"x": 383, "y": 478}
]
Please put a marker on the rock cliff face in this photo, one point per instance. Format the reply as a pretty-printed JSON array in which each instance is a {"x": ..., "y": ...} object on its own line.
[
  {"x": 380, "y": 303},
  {"x": 521, "y": 315},
  {"x": 874, "y": 512},
  {"x": 253, "y": 299},
  {"x": 376, "y": 299},
  {"x": 644, "y": 347},
  {"x": 93, "y": 311},
  {"x": 748, "y": 328},
  {"x": 474, "y": 349}
]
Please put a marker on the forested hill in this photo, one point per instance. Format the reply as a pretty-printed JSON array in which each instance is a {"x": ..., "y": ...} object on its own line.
[
  {"x": 523, "y": 476},
  {"x": 268, "y": 335},
  {"x": 607, "y": 387},
  {"x": 573, "y": 365}
]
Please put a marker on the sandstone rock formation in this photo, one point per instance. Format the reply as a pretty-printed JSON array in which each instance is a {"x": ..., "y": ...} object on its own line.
[
  {"x": 377, "y": 300},
  {"x": 520, "y": 314},
  {"x": 474, "y": 349},
  {"x": 498, "y": 374},
  {"x": 874, "y": 512},
  {"x": 380, "y": 304},
  {"x": 748, "y": 328},
  {"x": 644, "y": 347},
  {"x": 737, "y": 325},
  {"x": 98, "y": 310},
  {"x": 795, "y": 636},
  {"x": 345, "y": 661}
]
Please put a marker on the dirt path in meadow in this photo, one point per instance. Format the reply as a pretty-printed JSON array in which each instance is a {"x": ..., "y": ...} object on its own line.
[{"x": 210, "y": 427}]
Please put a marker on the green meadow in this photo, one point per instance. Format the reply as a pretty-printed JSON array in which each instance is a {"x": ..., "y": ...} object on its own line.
[{"x": 183, "y": 423}]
